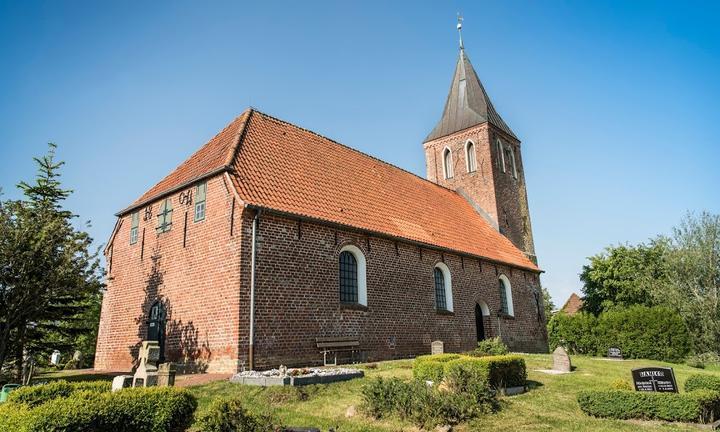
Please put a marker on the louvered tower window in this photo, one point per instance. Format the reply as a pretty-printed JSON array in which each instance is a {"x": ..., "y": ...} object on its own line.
[
  {"x": 200, "y": 193},
  {"x": 165, "y": 217},
  {"x": 134, "y": 223}
]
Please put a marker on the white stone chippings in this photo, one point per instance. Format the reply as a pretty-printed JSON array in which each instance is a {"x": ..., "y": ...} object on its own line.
[{"x": 296, "y": 372}]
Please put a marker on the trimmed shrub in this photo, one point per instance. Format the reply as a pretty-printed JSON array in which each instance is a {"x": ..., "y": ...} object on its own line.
[
  {"x": 702, "y": 381},
  {"x": 130, "y": 410},
  {"x": 228, "y": 415},
  {"x": 489, "y": 347},
  {"x": 701, "y": 406},
  {"x": 497, "y": 371},
  {"x": 655, "y": 333},
  {"x": 41, "y": 393},
  {"x": 431, "y": 367}
]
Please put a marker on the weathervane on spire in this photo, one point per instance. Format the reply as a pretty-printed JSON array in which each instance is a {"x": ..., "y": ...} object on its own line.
[{"x": 459, "y": 27}]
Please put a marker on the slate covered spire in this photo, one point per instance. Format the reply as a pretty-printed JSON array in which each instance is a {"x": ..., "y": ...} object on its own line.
[{"x": 467, "y": 104}]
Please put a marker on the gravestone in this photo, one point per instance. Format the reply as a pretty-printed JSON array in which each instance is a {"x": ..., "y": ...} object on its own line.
[
  {"x": 437, "y": 347},
  {"x": 121, "y": 381},
  {"x": 55, "y": 358},
  {"x": 561, "y": 360},
  {"x": 655, "y": 379},
  {"x": 78, "y": 358},
  {"x": 614, "y": 353},
  {"x": 166, "y": 375},
  {"x": 146, "y": 373}
]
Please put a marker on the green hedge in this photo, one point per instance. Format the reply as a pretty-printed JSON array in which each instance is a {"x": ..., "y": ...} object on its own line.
[
  {"x": 129, "y": 410},
  {"x": 655, "y": 333},
  {"x": 702, "y": 381},
  {"x": 700, "y": 406},
  {"x": 41, "y": 393},
  {"x": 498, "y": 371},
  {"x": 228, "y": 414}
]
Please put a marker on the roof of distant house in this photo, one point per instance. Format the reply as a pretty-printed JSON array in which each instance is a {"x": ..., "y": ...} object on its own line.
[
  {"x": 278, "y": 166},
  {"x": 573, "y": 305}
]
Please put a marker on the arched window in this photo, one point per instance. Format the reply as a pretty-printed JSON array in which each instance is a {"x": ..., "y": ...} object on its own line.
[
  {"x": 470, "y": 156},
  {"x": 443, "y": 288},
  {"x": 506, "y": 301},
  {"x": 510, "y": 156},
  {"x": 353, "y": 285},
  {"x": 500, "y": 154},
  {"x": 447, "y": 163}
]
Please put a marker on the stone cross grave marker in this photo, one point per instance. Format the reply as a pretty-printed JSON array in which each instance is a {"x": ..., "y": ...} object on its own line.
[
  {"x": 655, "y": 379},
  {"x": 437, "y": 347},
  {"x": 146, "y": 373},
  {"x": 561, "y": 360}
]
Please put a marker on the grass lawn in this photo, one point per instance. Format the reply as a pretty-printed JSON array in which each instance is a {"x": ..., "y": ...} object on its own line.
[{"x": 550, "y": 405}]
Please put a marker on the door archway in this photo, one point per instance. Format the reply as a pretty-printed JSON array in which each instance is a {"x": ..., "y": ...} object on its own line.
[{"x": 481, "y": 311}]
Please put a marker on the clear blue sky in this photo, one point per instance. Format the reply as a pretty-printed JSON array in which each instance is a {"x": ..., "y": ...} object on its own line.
[{"x": 617, "y": 103}]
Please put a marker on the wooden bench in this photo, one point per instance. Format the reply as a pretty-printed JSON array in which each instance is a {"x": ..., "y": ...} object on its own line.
[{"x": 335, "y": 345}]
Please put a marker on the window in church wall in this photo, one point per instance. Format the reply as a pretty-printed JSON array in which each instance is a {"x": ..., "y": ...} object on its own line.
[
  {"x": 134, "y": 224},
  {"x": 353, "y": 285},
  {"x": 470, "y": 157},
  {"x": 510, "y": 158},
  {"x": 447, "y": 163},
  {"x": 200, "y": 194},
  {"x": 443, "y": 288},
  {"x": 165, "y": 217},
  {"x": 506, "y": 301},
  {"x": 500, "y": 154}
]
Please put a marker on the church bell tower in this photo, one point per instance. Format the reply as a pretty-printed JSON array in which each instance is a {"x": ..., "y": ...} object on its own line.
[{"x": 473, "y": 151}]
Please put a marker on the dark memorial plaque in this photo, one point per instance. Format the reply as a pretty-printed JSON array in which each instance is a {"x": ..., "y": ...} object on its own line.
[
  {"x": 654, "y": 379},
  {"x": 615, "y": 353}
]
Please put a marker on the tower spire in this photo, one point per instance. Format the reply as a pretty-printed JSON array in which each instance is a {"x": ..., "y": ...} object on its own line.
[{"x": 459, "y": 28}]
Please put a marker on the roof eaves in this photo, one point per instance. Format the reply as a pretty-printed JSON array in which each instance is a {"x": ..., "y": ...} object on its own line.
[{"x": 388, "y": 236}]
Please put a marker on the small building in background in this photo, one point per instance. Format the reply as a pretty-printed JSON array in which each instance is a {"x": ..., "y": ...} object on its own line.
[{"x": 573, "y": 305}]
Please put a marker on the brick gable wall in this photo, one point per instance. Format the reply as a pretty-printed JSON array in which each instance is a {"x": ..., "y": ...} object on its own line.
[{"x": 199, "y": 283}]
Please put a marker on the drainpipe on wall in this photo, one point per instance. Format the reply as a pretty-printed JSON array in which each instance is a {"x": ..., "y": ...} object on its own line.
[{"x": 251, "y": 353}]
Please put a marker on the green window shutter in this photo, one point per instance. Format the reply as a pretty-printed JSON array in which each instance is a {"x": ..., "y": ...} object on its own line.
[
  {"x": 165, "y": 216},
  {"x": 134, "y": 223},
  {"x": 200, "y": 193}
]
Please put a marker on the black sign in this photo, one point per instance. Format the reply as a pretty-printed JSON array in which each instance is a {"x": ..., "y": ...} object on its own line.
[
  {"x": 614, "y": 353},
  {"x": 655, "y": 379}
]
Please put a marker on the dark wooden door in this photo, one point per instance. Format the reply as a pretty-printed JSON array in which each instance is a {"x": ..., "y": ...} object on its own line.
[
  {"x": 156, "y": 327},
  {"x": 479, "y": 325}
]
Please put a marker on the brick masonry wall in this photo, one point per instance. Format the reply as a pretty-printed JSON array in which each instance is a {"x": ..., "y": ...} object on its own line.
[
  {"x": 297, "y": 297},
  {"x": 499, "y": 194},
  {"x": 199, "y": 283}
]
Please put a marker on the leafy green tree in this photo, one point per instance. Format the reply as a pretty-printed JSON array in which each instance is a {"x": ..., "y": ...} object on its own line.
[
  {"x": 623, "y": 276},
  {"x": 548, "y": 302},
  {"x": 693, "y": 278},
  {"x": 49, "y": 279}
]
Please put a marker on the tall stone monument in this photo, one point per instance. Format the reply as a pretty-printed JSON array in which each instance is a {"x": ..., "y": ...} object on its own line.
[
  {"x": 561, "y": 360},
  {"x": 146, "y": 374}
]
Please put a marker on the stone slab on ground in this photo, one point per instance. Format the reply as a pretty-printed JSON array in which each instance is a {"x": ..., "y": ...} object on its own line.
[
  {"x": 275, "y": 377},
  {"x": 552, "y": 371}
]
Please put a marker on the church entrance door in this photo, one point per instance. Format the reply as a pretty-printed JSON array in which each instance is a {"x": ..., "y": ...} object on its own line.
[
  {"x": 479, "y": 325},
  {"x": 156, "y": 327}
]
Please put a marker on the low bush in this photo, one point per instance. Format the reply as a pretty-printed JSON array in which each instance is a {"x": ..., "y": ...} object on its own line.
[
  {"x": 130, "y": 410},
  {"x": 497, "y": 371},
  {"x": 621, "y": 384},
  {"x": 431, "y": 367},
  {"x": 228, "y": 415},
  {"x": 702, "y": 381},
  {"x": 423, "y": 405},
  {"x": 39, "y": 394},
  {"x": 635, "y": 330},
  {"x": 489, "y": 347},
  {"x": 700, "y": 406},
  {"x": 705, "y": 359}
]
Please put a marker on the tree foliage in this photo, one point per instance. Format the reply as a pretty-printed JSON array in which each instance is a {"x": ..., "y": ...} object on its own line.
[
  {"x": 623, "y": 276},
  {"x": 50, "y": 282}
]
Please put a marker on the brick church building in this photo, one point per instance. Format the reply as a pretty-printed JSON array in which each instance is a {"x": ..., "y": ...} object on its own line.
[{"x": 271, "y": 236}]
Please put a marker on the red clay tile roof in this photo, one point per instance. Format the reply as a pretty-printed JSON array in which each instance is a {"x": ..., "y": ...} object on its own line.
[
  {"x": 213, "y": 156},
  {"x": 572, "y": 305},
  {"x": 285, "y": 168}
]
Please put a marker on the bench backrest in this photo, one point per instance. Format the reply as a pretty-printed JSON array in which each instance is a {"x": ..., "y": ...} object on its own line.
[{"x": 337, "y": 342}]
